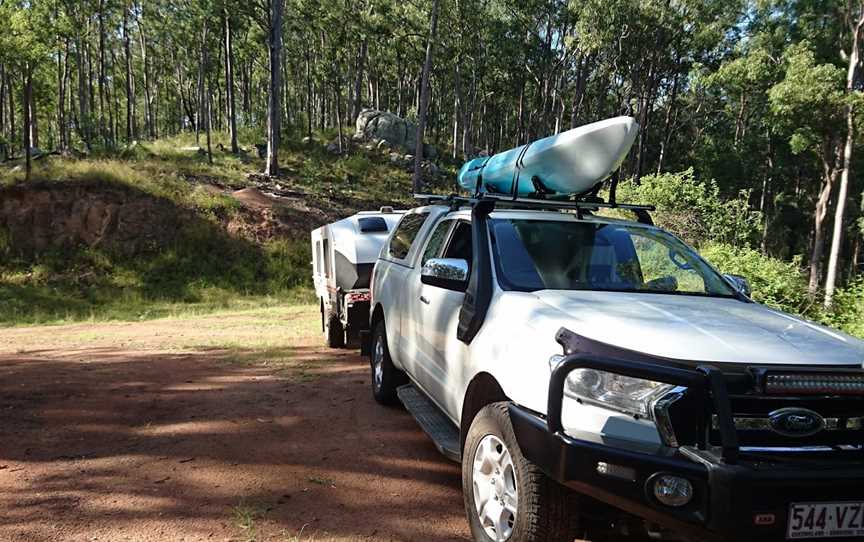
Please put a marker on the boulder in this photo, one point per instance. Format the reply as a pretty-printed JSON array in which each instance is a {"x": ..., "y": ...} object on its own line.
[
  {"x": 332, "y": 148},
  {"x": 306, "y": 140},
  {"x": 382, "y": 125}
]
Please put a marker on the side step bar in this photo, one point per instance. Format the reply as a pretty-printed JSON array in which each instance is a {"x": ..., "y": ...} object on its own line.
[{"x": 439, "y": 428}]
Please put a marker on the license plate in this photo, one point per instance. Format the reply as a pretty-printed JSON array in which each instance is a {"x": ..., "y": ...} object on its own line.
[{"x": 825, "y": 520}]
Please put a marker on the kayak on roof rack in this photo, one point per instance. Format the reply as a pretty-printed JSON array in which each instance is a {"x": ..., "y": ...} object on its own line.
[{"x": 572, "y": 162}]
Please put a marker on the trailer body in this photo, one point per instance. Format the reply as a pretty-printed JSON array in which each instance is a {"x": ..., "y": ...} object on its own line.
[{"x": 343, "y": 255}]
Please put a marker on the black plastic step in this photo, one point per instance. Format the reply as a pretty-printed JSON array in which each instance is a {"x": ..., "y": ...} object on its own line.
[{"x": 435, "y": 423}]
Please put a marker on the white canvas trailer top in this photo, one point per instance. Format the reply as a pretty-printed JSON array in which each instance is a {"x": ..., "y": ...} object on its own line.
[{"x": 345, "y": 251}]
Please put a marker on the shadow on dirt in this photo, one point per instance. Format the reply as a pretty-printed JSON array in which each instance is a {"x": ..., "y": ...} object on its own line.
[{"x": 113, "y": 442}]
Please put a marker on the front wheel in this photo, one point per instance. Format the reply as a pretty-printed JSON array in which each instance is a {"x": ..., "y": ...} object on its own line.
[
  {"x": 385, "y": 376},
  {"x": 506, "y": 496}
]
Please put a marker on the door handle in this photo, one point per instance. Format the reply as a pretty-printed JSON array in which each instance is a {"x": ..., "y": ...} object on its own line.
[{"x": 424, "y": 300}]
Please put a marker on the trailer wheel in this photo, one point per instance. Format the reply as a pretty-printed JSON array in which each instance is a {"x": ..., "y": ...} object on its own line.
[{"x": 334, "y": 334}]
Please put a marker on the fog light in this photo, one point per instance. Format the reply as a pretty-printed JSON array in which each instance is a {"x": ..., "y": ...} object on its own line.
[{"x": 673, "y": 490}]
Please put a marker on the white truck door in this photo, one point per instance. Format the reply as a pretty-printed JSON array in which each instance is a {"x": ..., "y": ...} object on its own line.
[
  {"x": 417, "y": 307},
  {"x": 438, "y": 318},
  {"x": 393, "y": 288}
]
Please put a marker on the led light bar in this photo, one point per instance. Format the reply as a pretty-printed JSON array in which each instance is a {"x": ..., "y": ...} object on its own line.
[{"x": 814, "y": 384}]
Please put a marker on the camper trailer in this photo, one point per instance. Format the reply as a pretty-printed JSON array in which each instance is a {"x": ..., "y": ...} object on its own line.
[{"x": 344, "y": 253}]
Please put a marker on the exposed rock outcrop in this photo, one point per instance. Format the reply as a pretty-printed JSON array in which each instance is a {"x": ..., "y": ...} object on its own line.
[{"x": 397, "y": 133}]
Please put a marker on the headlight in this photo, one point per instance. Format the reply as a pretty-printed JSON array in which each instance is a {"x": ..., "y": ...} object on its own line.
[{"x": 634, "y": 396}]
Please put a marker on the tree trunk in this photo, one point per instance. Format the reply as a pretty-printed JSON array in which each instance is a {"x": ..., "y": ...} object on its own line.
[
  {"x": 4, "y": 145},
  {"x": 671, "y": 113},
  {"x": 819, "y": 216},
  {"x": 102, "y": 78},
  {"x": 148, "y": 100},
  {"x": 358, "y": 80},
  {"x": 424, "y": 98},
  {"x": 83, "y": 114},
  {"x": 310, "y": 109},
  {"x": 840, "y": 210},
  {"x": 207, "y": 122},
  {"x": 274, "y": 113},
  {"x": 229, "y": 83},
  {"x": 202, "y": 99},
  {"x": 32, "y": 115},
  {"x": 61, "y": 98},
  {"x": 28, "y": 119},
  {"x": 130, "y": 96},
  {"x": 337, "y": 95},
  {"x": 91, "y": 90},
  {"x": 12, "y": 130},
  {"x": 766, "y": 185}
]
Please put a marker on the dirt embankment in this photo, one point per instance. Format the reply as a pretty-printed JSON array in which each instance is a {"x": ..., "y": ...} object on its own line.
[
  {"x": 36, "y": 217},
  {"x": 122, "y": 220}
]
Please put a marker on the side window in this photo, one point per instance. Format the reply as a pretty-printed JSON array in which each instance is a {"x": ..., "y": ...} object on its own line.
[
  {"x": 460, "y": 245},
  {"x": 406, "y": 232},
  {"x": 436, "y": 240},
  {"x": 326, "y": 256},
  {"x": 317, "y": 257}
]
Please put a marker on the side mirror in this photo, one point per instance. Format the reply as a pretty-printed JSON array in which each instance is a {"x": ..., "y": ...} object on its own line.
[
  {"x": 740, "y": 283},
  {"x": 447, "y": 273}
]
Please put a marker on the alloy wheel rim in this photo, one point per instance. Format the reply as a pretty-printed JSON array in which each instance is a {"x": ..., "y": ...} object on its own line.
[
  {"x": 378, "y": 363},
  {"x": 495, "y": 493}
]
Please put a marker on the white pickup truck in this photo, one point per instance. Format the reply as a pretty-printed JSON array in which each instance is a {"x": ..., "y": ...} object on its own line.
[{"x": 596, "y": 375}]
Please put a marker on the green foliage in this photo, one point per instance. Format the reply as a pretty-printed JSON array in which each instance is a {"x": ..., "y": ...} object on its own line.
[
  {"x": 809, "y": 100},
  {"x": 694, "y": 210},
  {"x": 847, "y": 310},
  {"x": 775, "y": 283}
]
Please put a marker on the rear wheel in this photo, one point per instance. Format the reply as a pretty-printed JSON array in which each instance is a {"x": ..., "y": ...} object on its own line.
[
  {"x": 385, "y": 376},
  {"x": 506, "y": 496},
  {"x": 334, "y": 333}
]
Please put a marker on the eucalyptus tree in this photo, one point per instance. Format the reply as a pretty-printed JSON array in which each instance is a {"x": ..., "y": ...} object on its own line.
[
  {"x": 854, "y": 24},
  {"x": 26, "y": 46}
]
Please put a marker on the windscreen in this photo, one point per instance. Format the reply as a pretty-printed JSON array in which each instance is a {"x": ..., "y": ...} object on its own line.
[{"x": 559, "y": 255}]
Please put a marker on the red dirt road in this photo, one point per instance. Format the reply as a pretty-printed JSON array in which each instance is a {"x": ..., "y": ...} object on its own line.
[{"x": 112, "y": 432}]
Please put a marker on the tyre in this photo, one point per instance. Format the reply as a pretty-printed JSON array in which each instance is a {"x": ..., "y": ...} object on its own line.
[
  {"x": 506, "y": 496},
  {"x": 334, "y": 334},
  {"x": 385, "y": 376}
]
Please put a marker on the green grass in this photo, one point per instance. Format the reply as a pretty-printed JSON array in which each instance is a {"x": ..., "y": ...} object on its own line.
[
  {"x": 204, "y": 270},
  {"x": 246, "y": 516}
]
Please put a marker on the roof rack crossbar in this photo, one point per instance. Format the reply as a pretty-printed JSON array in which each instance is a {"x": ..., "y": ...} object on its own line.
[{"x": 456, "y": 200}]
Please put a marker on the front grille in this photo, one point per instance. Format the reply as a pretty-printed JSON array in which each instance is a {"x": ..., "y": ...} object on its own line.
[
  {"x": 776, "y": 409},
  {"x": 744, "y": 423},
  {"x": 763, "y": 420}
]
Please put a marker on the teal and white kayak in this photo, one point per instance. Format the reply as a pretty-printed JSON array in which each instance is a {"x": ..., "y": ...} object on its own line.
[{"x": 572, "y": 162}]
